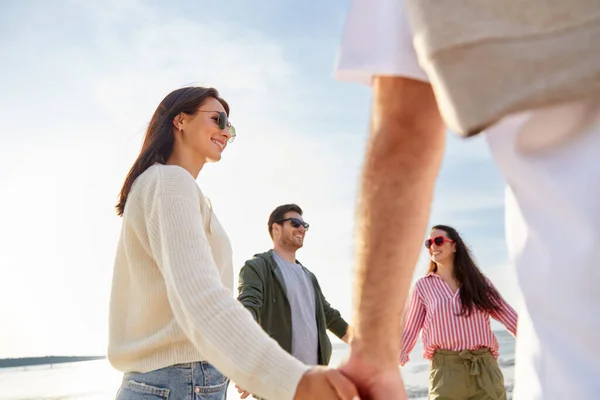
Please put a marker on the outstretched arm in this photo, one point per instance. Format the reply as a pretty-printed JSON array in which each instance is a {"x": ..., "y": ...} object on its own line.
[
  {"x": 335, "y": 323},
  {"x": 403, "y": 158},
  {"x": 404, "y": 154},
  {"x": 413, "y": 323},
  {"x": 506, "y": 315}
]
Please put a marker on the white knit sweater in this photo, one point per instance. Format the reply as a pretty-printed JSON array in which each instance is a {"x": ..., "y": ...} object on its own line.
[{"x": 172, "y": 293}]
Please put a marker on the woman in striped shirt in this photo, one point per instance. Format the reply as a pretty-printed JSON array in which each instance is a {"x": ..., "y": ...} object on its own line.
[{"x": 452, "y": 305}]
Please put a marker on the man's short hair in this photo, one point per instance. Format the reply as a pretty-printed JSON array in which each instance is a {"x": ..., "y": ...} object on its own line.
[{"x": 279, "y": 213}]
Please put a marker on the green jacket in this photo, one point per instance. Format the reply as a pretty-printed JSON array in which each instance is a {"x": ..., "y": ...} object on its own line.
[{"x": 262, "y": 291}]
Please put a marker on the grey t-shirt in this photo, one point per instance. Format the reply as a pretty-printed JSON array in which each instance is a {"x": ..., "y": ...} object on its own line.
[{"x": 301, "y": 295}]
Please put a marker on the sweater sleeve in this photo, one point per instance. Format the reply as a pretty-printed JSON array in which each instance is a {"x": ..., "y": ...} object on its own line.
[{"x": 222, "y": 330}]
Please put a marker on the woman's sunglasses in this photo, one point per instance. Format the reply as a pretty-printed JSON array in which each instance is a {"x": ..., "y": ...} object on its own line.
[
  {"x": 438, "y": 241},
  {"x": 224, "y": 124},
  {"x": 296, "y": 223}
]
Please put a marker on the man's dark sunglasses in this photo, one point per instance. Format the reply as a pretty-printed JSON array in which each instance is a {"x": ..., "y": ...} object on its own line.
[
  {"x": 224, "y": 124},
  {"x": 296, "y": 223}
]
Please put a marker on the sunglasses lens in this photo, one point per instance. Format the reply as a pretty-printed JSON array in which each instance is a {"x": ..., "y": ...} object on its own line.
[
  {"x": 222, "y": 120},
  {"x": 224, "y": 124},
  {"x": 438, "y": 241},
  {"x": 428, "y": 243},
  {"x": 232, "y": 133},
  {"x": 296, "y": 223}
]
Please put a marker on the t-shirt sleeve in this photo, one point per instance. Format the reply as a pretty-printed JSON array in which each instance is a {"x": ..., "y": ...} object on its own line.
[{"x": 377, "y": 40}]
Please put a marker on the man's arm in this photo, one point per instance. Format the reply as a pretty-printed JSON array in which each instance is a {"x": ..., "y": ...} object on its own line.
[
  {"x": 250, "y": 290},
  {"x": 335, "y": 323},
  {"x": 403, "y": 158}
]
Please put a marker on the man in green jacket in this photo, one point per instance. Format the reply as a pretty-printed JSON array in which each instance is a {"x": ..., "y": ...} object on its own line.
[{"x": 285, "y": 297}]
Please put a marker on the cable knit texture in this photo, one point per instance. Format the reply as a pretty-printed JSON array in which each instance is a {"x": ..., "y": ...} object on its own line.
[{"x": 172, "y": 293}]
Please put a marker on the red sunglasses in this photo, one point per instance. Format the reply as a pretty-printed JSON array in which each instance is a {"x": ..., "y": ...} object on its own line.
[{"x": 438, "y": 241}]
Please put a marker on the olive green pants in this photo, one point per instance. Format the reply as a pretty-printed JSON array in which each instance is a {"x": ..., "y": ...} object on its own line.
[{"x": 465, "y": 375}]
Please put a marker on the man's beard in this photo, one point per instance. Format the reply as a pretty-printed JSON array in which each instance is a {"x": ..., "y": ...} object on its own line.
[{"x": 291, "y": 242}]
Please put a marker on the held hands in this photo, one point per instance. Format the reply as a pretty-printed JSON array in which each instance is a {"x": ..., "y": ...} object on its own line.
[
  {"x": 358, "y": 378},
  {"x": 320, "y": 383},
  {"x": 325, "y": 383},
  {"x": 374, "y": 380}
]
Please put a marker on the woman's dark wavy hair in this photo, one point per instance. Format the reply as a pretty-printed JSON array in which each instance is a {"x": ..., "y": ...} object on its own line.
[
  {"x": 475, "y": 292},
  {"x": 159, "y": 140}
]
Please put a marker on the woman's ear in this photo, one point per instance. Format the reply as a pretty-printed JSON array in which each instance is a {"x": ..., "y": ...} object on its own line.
[{"x": 178, "y": 122}]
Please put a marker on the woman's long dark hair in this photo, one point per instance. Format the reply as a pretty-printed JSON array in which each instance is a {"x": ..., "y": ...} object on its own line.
[
  {"x": 475, "y": 292},
  {"x": 159, "y": 140}
]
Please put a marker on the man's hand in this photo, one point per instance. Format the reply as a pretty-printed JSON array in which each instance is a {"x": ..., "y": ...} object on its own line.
[
  {"x": 348, "y": 335},
  {"x": 372, "y": 381},
  {"x": 323, "y": 384}
]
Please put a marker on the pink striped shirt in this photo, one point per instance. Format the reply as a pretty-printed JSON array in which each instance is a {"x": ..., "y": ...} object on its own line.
[{"x": 434, "y": 309}]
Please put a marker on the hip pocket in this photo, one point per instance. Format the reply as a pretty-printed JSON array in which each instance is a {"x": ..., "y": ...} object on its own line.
[
  {"x": 133, "y": 390},
  {"x": 211, "y": 392},
  {"x": 214, "y": 383}
]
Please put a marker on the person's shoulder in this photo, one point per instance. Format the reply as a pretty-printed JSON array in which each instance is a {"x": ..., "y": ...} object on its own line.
[
  {"x": 168, "y": 180},
  {"x": 259, "y": 260},
  {"x": 424, "y": 280}
]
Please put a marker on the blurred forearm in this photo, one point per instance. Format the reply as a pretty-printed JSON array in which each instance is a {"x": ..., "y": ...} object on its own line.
[{"x": 404, "y": 154}]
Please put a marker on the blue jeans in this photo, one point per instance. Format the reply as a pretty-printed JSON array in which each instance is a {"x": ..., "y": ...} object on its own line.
[{"x": 191, "y": 381}]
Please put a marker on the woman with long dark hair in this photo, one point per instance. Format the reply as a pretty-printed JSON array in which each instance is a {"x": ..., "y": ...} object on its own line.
[
  {"x": 452, "y": 306},
  {"x": 176, "y": 330}
]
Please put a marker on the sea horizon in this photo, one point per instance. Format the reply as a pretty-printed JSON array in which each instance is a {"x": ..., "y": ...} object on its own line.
[
  {"x": 335, "y": 345},
  {"x": 97, "y": 380}
]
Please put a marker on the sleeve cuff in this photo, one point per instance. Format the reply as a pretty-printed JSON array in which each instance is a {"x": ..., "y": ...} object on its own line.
[
  {"x": 340, "y": 328},
  {"x": 403, "y": 359}
]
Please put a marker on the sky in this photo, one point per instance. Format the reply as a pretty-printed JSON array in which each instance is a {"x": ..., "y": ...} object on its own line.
[{"x": 79, "y": 82}]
